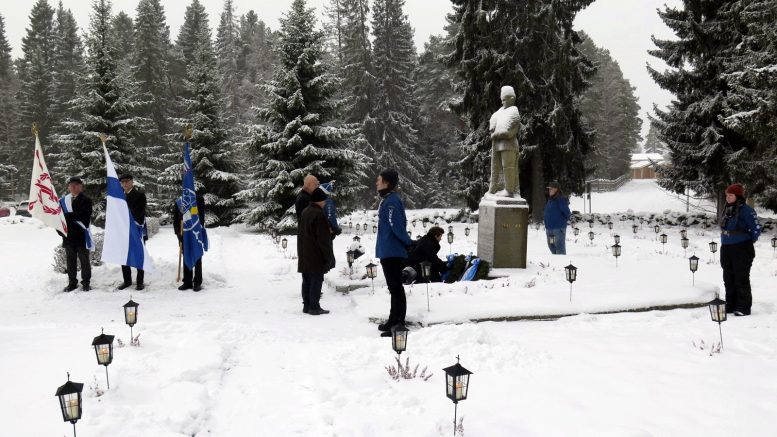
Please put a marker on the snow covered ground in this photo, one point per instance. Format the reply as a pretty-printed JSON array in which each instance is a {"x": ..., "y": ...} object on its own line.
[{"x": 240, "y": 359}]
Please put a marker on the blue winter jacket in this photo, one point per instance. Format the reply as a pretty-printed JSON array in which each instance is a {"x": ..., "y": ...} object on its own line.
[
  {"x": 739, "y": 223},
  {"x": 557, "y": 212},
  {"x": 392, "y": 224}
]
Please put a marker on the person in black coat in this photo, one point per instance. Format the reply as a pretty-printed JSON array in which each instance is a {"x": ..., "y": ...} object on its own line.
[
  {"x": 426, "y": 249},
  {"x": 136, "y": 202},
  {"x": 78, "y": 217},
  {"x": 314, "y": 250},
  {"x": 191, "y": 280},
  {"x": 302, "y": 201}
]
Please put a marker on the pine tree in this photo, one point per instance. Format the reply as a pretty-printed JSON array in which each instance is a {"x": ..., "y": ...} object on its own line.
[
  {"x": 9, "y": 146},
  {"x": 610, "y": 108},
  {"x": 228, "y": 48},
  {"x": 68, "y": 65},
  {"x": 704, "y": 152},
  {"x": 439, "y": 124},
  {"x": 652, "y": 143},
  {"x": 531, "y": 46},
  {"x": 357, "y": 69},
  {"x": 299, "y": 137},
  {"x": 751, "y": 109},
  {"x": 391, "y": 130},
  {"x": 212, "y": 152},
  {"x": 334, "y": 29},
  {"x": 124, "y": 34},
  {"x": 255, "y": 64},
  {"x": 150, "y": 60},
  {"x": 36, "y": 76},
  {"x": 104, "y": 104}
]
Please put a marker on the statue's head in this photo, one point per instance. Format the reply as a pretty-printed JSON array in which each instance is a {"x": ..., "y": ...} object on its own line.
[{"x": 508, "y": 96}]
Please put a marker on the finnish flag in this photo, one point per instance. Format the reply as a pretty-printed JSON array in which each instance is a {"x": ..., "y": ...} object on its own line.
[{"x": 123, "y": 241}]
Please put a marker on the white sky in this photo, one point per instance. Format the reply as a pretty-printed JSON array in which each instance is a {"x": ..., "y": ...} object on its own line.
[{"x": 622, "y": 26}]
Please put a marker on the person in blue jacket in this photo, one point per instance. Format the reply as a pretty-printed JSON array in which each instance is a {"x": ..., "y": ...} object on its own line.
[
  {"x": 557, "y": 214},
  {"x": 391, "y": 246},
  {"x": 739, "y": 229},
  {"x": 330, "y": 210}
]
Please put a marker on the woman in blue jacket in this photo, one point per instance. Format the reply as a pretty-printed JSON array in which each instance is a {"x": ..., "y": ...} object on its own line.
[
  {"x": 391, "y": 246},
  {"x": 739, "y": 229},
  {"x": 557, "y": 214}
]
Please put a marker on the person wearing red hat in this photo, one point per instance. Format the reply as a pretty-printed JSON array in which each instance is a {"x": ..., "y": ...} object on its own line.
[{"x": 739, "y": 229}]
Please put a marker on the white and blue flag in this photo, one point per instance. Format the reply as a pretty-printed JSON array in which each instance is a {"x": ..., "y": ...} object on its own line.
[{"x": 123, "y": 242}]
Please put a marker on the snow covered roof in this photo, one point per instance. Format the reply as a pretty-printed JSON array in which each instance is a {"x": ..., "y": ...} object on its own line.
[{"x": 656, "y": 157}]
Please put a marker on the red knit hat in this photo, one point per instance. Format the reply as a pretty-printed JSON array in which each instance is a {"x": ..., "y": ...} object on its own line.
[{"x": 736, "y": 189}]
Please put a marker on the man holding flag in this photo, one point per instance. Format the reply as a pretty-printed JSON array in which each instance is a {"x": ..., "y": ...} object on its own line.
[
  {"x": 123, "y": 243},
  {"x": 77, "y": 207},
  {"x": 136, "y": 202},
  {"x": 189, "y": 227}
]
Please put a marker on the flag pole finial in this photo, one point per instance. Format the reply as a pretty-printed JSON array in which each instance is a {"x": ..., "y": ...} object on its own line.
[
  {"x": 103, "y": 138},
  {"x": 35, "y": 129},
  {"x": 187, "y": 132}
]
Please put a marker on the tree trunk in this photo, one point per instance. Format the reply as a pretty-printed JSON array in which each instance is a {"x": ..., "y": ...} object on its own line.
[{"x": 537, "y": 199}]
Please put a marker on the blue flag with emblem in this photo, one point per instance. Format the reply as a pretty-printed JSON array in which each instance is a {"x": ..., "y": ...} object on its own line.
[{"x": 195, "y": 239}]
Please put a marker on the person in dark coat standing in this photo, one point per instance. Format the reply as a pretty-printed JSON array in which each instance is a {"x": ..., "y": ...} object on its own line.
[
  {"x": 739, "y": 230},
  {"x": 78, "y": 215},
  {"x": 391, "y": 245},
  {"x": 136, "y": 202},
  {"x": 556, "y": 215},
  {"x": 315, "y": 254},
  {"x": 426, "y": 249},
  {"x": 191, "y": 280},
  {"x": 302, "y": 201}
]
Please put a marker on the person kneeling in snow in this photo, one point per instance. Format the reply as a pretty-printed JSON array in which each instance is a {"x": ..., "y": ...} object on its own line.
[{"x": 426, "y": 249}]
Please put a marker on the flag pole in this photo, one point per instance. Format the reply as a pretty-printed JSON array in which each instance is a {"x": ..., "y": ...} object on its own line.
[
  {"x": 35, "y": 129},
  {"x": 187, "y": 135}
]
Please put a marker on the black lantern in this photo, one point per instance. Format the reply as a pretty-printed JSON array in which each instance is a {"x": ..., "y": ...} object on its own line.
[
  {"x": 616, "y": 252},
  {"x": 591, "y": 224},
  {"x": 537, "y": 226},
  {"x": 450, "y": 242},
  {"x": 774, "y": 245},
  {"x": 374, "y": 229},
  {"x": 350, "y": 256},
  {"x": 399, "y": 338},
  {"x": 718, "y": 314},
  {"x": 364, "y": 227},
  {"x": 662, "y": 238},
  {"x": 617, "y": 239},
  {"x": 372, "y": 273},
  {"x": 277, "y": 239},
  {"x": 103, "y": 348},
  {"x": 426, "y": 273},
  {"x": 635, "y": 228},
  {"x": 591, "y": 235},
  {"x": 131, "y": 315},
  {"x": 425, "y": 222},
  {"x": 414, "y": 222},
  {"x": 576, "y": 230},
  {"x": 274, "y": 233},
  {"x": 657, "y": 229},
  {"x": 69, "y": 395},
  {"x": 450, "y": 229},
  {"x": 684, "y": 243},
  {"x": 609, "y": 225},
  {"x": 694, "y": 265},
  {"x": 284, "y": 243},
  {"x": 571, "y": 273},
  {"x": 456, "y": 386},
  {"x": 356, "y": 238},
  {"x": 466, "y": 231},
  {"x": 713, "y": 246},
  {"x": 358, "y": 228},
  {"x": 350, "y": 226},
  {"x": 684, "y": 233}
]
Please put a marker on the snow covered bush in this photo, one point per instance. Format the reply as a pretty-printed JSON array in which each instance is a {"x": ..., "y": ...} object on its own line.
[
  {"x": 60, "y": 263},
  {"x": 152, "y": 226}
]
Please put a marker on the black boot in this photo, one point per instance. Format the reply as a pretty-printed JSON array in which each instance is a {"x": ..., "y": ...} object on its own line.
[
  {"x": 70, "y": 287},
  {"x": 124, "y": 285}
]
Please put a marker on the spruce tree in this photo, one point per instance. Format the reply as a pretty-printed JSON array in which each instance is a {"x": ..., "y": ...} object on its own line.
[
  {"x": 9, "y": 141},
  {"x": 256, "y": 62},
  {"x": 299, "y": 136},
  {"x": 68, "y": 65},
  {"x": 103, "y": 104},
  {"x": 228, "y": 48},
  {"x": 124, "y": 34},
  {"x": 212, "y": 151},
  {"x": 357, "y": 70},
  {"x": 652, "y": 143},
  {"x": 531, "y": 46},
  {"x": 391, "y": 131},
  {"x": 36, "y": 76},
  {"x": 610, "y": 109},
  {"x": 703, "y": 150}
]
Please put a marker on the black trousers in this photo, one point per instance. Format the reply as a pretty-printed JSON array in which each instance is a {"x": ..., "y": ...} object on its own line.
[
  {"x": 311, "y": 290},
  {"x": 126, "y": 271},
  {"x": 736, "y": 260},
  {"x": 187, "y": 274},
  {"x": 82, "y": 256},
  {"x": 392, "y": 271}
]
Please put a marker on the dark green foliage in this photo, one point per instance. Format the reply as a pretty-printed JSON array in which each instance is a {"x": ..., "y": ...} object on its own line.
[
  {"x": 255, "y": 64},
  {"x": 531, "y": 46},
  {"x": 9, "y": 141},
  {"x": 300, "y": 136},
  {"x": 610, "y": 109}
]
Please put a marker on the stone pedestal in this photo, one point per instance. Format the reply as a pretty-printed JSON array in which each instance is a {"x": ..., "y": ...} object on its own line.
[{"x": 502, "y": 231}]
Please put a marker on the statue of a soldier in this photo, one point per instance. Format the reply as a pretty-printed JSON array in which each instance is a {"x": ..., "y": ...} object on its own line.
[{"x": 504, "y": 125}]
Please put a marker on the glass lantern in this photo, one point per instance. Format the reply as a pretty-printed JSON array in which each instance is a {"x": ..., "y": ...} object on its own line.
[
  {"x": 456, "y": 382},
  {"x": 70, "y": 401},
  {"x": 399, "y": 338}
]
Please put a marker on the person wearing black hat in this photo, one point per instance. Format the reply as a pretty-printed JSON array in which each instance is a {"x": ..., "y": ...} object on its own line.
[
  {"x": 391, "y": 245},
  {"x": 556, "y": 215},
  {"x": 136, "y": 202},
  {"x": 739, "y": 229},
  {"x": 315, "y": 254},
  {"x": 78, "y": 214}
]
